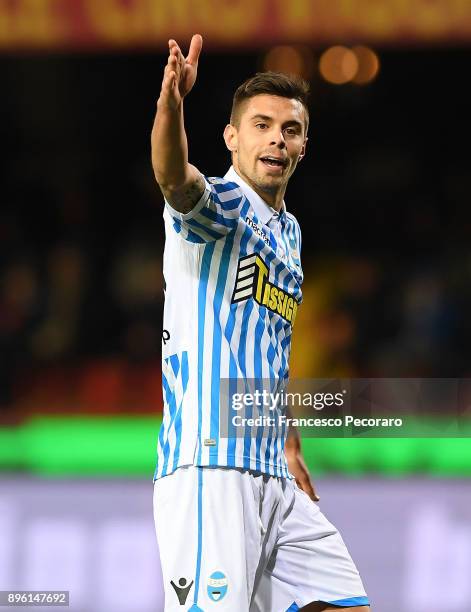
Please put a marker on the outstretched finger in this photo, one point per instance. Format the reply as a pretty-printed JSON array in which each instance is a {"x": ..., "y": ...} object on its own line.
[
  {"x": 175, "y": 62},
  {"x": 195, "y": 49},
  {"x": 176, "y": 51},
  {"x": 171, "y": 66},
  {"x": 171, "y": 62}
]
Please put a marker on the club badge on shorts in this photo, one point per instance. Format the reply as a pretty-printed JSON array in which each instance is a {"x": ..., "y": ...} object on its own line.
[{"x": 217, "y": 586}]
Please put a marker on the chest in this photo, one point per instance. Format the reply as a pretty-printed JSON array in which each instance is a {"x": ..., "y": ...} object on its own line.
[{"x": 278, "y": 240}]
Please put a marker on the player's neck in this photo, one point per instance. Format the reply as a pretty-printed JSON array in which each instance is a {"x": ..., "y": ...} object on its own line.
[{"x": 274, "y": 198}]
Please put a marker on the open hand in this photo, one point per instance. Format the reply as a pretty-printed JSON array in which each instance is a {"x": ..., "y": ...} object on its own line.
[{"x": 180, "y": 72}]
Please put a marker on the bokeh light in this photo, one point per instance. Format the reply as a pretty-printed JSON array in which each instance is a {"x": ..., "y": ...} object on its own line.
[
  {"x": 368, "y": 65},
  {"x": 338, "y": 65},
  {"x": 290, "y": 60}
]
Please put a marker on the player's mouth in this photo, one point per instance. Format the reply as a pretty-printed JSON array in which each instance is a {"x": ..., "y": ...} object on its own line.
[{"x": 275, "y": 163}]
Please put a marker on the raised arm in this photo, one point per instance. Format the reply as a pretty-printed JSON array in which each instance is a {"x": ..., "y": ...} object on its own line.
[{"x": 181, "y": 183}]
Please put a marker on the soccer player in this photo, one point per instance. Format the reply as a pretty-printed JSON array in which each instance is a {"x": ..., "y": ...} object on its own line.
[{"x": 236, "y": 519}]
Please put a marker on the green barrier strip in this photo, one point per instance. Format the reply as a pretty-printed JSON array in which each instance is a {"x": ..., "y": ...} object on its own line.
[
  {"x": 126, "y": 446},
  {"x": 83, "y": 446}
]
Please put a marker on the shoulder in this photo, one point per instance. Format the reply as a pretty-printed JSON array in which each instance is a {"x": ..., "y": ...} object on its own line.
[
  {"x": 293, "y": 221},
  {"x": 294, "y": 229},
  {"x": 221, "y": 185},
  {"x": 292, "y": 218},
  {"x": 227, "y": 194}
]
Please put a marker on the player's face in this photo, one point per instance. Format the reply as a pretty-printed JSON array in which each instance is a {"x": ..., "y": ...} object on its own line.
[{"x": 269, "y": 142}]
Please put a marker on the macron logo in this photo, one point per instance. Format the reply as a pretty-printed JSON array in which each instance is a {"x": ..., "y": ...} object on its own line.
[{"x": 251, "y": 223}]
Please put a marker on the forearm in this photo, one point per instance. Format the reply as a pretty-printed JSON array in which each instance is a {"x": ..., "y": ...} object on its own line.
[
  {"x": 169, "y": 147},
  {"x": 296, "y": 464},
  {"x": 180, "y": 182},
  {"x": 293, "y": 439}
]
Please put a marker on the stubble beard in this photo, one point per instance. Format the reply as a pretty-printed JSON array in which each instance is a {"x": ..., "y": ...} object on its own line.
[{"x": 268, "y": 185}]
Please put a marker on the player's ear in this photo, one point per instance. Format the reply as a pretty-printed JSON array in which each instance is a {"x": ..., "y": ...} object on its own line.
[
  {"x": 303, "y": 150},
  {"x": 230, "y": 137}
]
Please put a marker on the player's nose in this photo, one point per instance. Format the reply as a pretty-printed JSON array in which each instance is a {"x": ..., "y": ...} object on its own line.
[{"x": 278, "y": 140}]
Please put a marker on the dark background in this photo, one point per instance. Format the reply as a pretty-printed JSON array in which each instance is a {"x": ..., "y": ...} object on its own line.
[{"x": 382, "y": 198}]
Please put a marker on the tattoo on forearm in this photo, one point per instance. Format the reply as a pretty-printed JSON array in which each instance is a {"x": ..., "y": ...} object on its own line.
[{"x": 185, "y": 199}]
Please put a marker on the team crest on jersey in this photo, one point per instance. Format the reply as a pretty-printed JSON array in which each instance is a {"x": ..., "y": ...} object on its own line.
[
  {"x": 252, "y": 281},
  {"x": 217, "y": 586},
  {"x": 294, "y": 252}
]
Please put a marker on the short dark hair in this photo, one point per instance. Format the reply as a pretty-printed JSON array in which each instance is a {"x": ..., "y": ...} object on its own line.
[{"x": 272, "y": 83}]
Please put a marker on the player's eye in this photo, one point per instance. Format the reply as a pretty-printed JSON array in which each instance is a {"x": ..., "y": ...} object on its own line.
[
  {"x": 291, "y": 131},
  {"x": 261, "y": 126}
]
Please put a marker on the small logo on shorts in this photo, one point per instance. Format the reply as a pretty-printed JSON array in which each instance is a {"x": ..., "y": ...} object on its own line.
[
  {"x": 217, "y": 586},
  {"x": 182, "y": 589}
]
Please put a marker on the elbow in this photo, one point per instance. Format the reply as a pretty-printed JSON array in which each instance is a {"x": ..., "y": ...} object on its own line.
[
  {"x": 167, "y": 186},
  {"x": 165, "y": 179},
  {"x": 160, "y": 177},
  {"x": 170, "y": 179},
  {"x": 159, "y": 170}
]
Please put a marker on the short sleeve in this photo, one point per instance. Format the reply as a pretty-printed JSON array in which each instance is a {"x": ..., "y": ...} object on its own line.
[{"x": 214, "y": 216}]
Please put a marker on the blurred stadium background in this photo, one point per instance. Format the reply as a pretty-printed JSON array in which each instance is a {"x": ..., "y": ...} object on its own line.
[{"x": 383, "y": 199}]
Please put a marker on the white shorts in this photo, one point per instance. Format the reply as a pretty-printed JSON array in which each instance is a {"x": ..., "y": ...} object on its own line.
[{"x": 233, "y": 540}]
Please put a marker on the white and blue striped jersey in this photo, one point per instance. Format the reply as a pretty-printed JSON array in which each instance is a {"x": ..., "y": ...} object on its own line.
[{"x": 233, "y": 285}]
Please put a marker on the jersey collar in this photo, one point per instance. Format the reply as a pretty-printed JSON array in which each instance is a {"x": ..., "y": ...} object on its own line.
[{"x": 263, "y": 211}]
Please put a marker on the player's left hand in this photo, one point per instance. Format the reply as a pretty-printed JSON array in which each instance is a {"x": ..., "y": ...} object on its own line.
[
  {"x": 185, "y": 68},
  {"x": 298, "y": 468}
]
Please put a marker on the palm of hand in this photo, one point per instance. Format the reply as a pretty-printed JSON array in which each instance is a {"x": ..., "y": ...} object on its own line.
[
  {"x": 186, "y": 68},
  {"x": 187, "y": 78}
]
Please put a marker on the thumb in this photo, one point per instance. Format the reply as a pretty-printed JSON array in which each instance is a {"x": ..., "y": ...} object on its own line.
[{"x": 195, "y": 49}]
